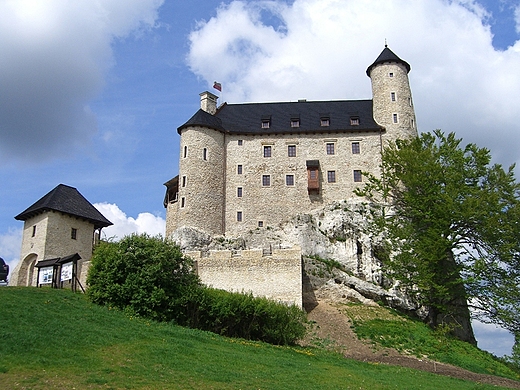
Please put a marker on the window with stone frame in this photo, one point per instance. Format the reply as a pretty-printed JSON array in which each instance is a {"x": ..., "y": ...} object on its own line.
[
  {"x": 240, "y": 142},
  {"x": 267, "y": 150},
  {"x": 358, "y": 177},
  {"x": 354, "y": 121},
  {"x": 183, "y": 202},
  {"x": 291, "y": 150},
  {"x": 205, "y": 154},
  {"x": 330, "y": 148},
  {"x": 239, "y": 169},
  {"x": 239, "y": 192},
  {"x": 331, "y": 176},
  {"x": 289, "y": 180},
  {"x": 239, "y": 216},
  {"x": 356, "y": 148},
  {"x": 266, "y": 180},
  {"x": 394, "y": 118},
  {"x": 73, "y": 233},
  {"x": 183, "y": 184}
]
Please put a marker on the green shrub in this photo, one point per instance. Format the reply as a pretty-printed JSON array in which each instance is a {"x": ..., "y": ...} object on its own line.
[
  {"x": 140, "y": 274},
  {"x": 241, "y": 315}
]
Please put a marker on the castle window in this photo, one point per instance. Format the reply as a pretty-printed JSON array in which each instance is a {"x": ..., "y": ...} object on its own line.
[
  {"x": 239, "y": 216},
  {"x": 330, "y": 148},
  {"x": 184, "y": 181},
  {"x": 354, "y": 121},
  {"x": 266, "y": 121},
  {"x": 267, "y": 151},
  {"x": 239, "y": 169},
  {"x": 410, "y": 101},
  {"x": 239, "y": 192},
  {"x": 34, "y": 231},
  {"x": 392, "y": 96},
  {"x": 260, "y": 223},
  {"x": 266, "y": 180},
  {"x": 331, "y": 176},
  {"x": 357, "y": 176},
  {"x": 205, "y": 154},
  {"x": 183, "y": 202},
  {"x": 295, "y": 121},
  {"x": 291, "y": 150},
  {"x": 394, "y": 118},
  {"x": 240, "y": 142},
  {"x": 324, "y": 121},
  {"x": 289, "y": 180},
  {"x": 355, "y": 148},
  {"x": 390, "y": 74},
  {"x": 73, "y": 233},
  {"x": 413, "y": 124},
  {"x": 185, "y": 152},
  {"x": 313, "y": 174}
]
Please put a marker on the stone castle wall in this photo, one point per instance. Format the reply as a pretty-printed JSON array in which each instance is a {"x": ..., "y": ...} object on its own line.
[
  {"x": 264, "y": 206},
  {"x": 277, "y": 276},
  {"x": 392, "y": 95}
]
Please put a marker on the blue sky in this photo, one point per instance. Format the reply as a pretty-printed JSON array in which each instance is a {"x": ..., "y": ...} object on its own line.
[{"x": 91, "y": 93}]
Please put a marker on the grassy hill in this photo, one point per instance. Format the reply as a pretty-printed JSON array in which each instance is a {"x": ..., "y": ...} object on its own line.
[{"x": 57, "y": 339}]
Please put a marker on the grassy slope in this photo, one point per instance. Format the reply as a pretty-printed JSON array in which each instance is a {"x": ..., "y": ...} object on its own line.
[{"x": 56, "y": 339}]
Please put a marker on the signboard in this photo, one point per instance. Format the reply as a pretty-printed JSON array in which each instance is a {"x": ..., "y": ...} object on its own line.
[
  {"x": 66, "y": 271},
  {"x": 45, "y": 275}
]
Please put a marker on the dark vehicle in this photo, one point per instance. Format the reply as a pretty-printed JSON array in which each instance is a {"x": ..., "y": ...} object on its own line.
[{"x": 4, "y": 270}]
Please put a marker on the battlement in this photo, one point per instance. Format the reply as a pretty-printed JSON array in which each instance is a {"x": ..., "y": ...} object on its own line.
[{"x": 276, "y": 276}]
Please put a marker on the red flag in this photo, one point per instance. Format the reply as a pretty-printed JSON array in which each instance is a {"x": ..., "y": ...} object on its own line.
[{"x": 217, "y": 86}]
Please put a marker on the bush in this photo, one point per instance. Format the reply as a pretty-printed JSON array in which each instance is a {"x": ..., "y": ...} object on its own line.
[
  {"x": 140, "y": 274},
  {"x": 150, "y": 277},
  {"x": 242, "y": 315}
]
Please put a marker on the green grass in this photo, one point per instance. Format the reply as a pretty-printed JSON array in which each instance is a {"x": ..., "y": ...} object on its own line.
[
  {"x": 57, "y": 339},
  {"x": 387, "y": 328}
]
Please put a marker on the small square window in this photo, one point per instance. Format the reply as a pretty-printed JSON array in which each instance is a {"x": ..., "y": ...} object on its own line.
[
  {"x": 266, "y": 124},
  {"x": 330, "y": 148},
  {"x": 295, "y": 123},
  {"x": 239, "y": 216},
  {"x": 260, "y": 223},
  {"x": 184, "y": 181},
  {"x": 240, "y": 142},
  {"x": 357, "y": 176},
  {"x": 34, "y": 231},
  {"x": 355, "y": 148},
  {"x": 354, "y": 121},
  {"x": 390, "y": 74},
  {"x": 394, "y": 118},
  {"x": 239, "y": 169},
  {"x": 331, "y": 176},
  {"x": 392, "y": 96},
  {"x": 73, "y": 233},
  {"x": 291, "y": 150},
  {"x": 239, "y": 192},
  {"x": 267, "y": 151},
  {"x": 289, "y": 180},
  {"x": 266, "y": 180},
  {"x": 324, "y": 122}
]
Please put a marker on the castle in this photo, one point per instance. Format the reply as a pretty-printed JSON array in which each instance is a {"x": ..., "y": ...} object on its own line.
[{"x": 254, "y": 165}]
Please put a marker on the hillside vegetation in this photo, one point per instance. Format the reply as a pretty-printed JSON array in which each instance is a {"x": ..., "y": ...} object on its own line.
[{"x": 57, "y": 339}]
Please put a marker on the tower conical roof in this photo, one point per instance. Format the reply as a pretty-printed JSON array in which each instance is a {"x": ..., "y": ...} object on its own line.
[
  {"x": 388, "y": 55},
  {"x": 67, "y": 200}
]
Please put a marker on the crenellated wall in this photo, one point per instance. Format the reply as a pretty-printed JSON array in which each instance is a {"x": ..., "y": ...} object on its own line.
[{"x": 277, "y": 276}]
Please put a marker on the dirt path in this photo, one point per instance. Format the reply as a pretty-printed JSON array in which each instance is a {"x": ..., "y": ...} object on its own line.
[{"x": 333, "y": 329}]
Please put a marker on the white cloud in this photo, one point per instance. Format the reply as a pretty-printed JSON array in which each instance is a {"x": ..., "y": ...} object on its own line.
[
  {"x": 10, "y": 246},
  {"x": 320, "y": 49},
  {"x": 124, "y": 225},
  {"x": 54, "y": 57}
]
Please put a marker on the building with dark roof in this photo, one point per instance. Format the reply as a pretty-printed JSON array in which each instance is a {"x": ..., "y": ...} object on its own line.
[
  {"x": 255, "y": 165},
  {"x": 60, "y": 224}
]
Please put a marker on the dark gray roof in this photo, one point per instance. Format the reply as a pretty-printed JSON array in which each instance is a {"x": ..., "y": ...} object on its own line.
[
  {"x": 246, "y": 118},
  {"x": 387, "y": 55},
  {"x": 67, "y": 200}
]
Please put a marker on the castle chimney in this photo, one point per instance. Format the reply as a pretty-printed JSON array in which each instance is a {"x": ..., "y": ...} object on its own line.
[{"x": 208, "y": 102}]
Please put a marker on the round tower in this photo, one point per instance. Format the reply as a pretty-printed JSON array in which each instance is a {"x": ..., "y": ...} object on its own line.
[
  {"x": 202, "y": 170},
  {"x": 392, "y": 96}
]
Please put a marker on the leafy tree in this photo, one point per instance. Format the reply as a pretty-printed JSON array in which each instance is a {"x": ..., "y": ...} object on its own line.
[
  {"x": 142, "y": 274},
  {"x": 451, "y": 222}
]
